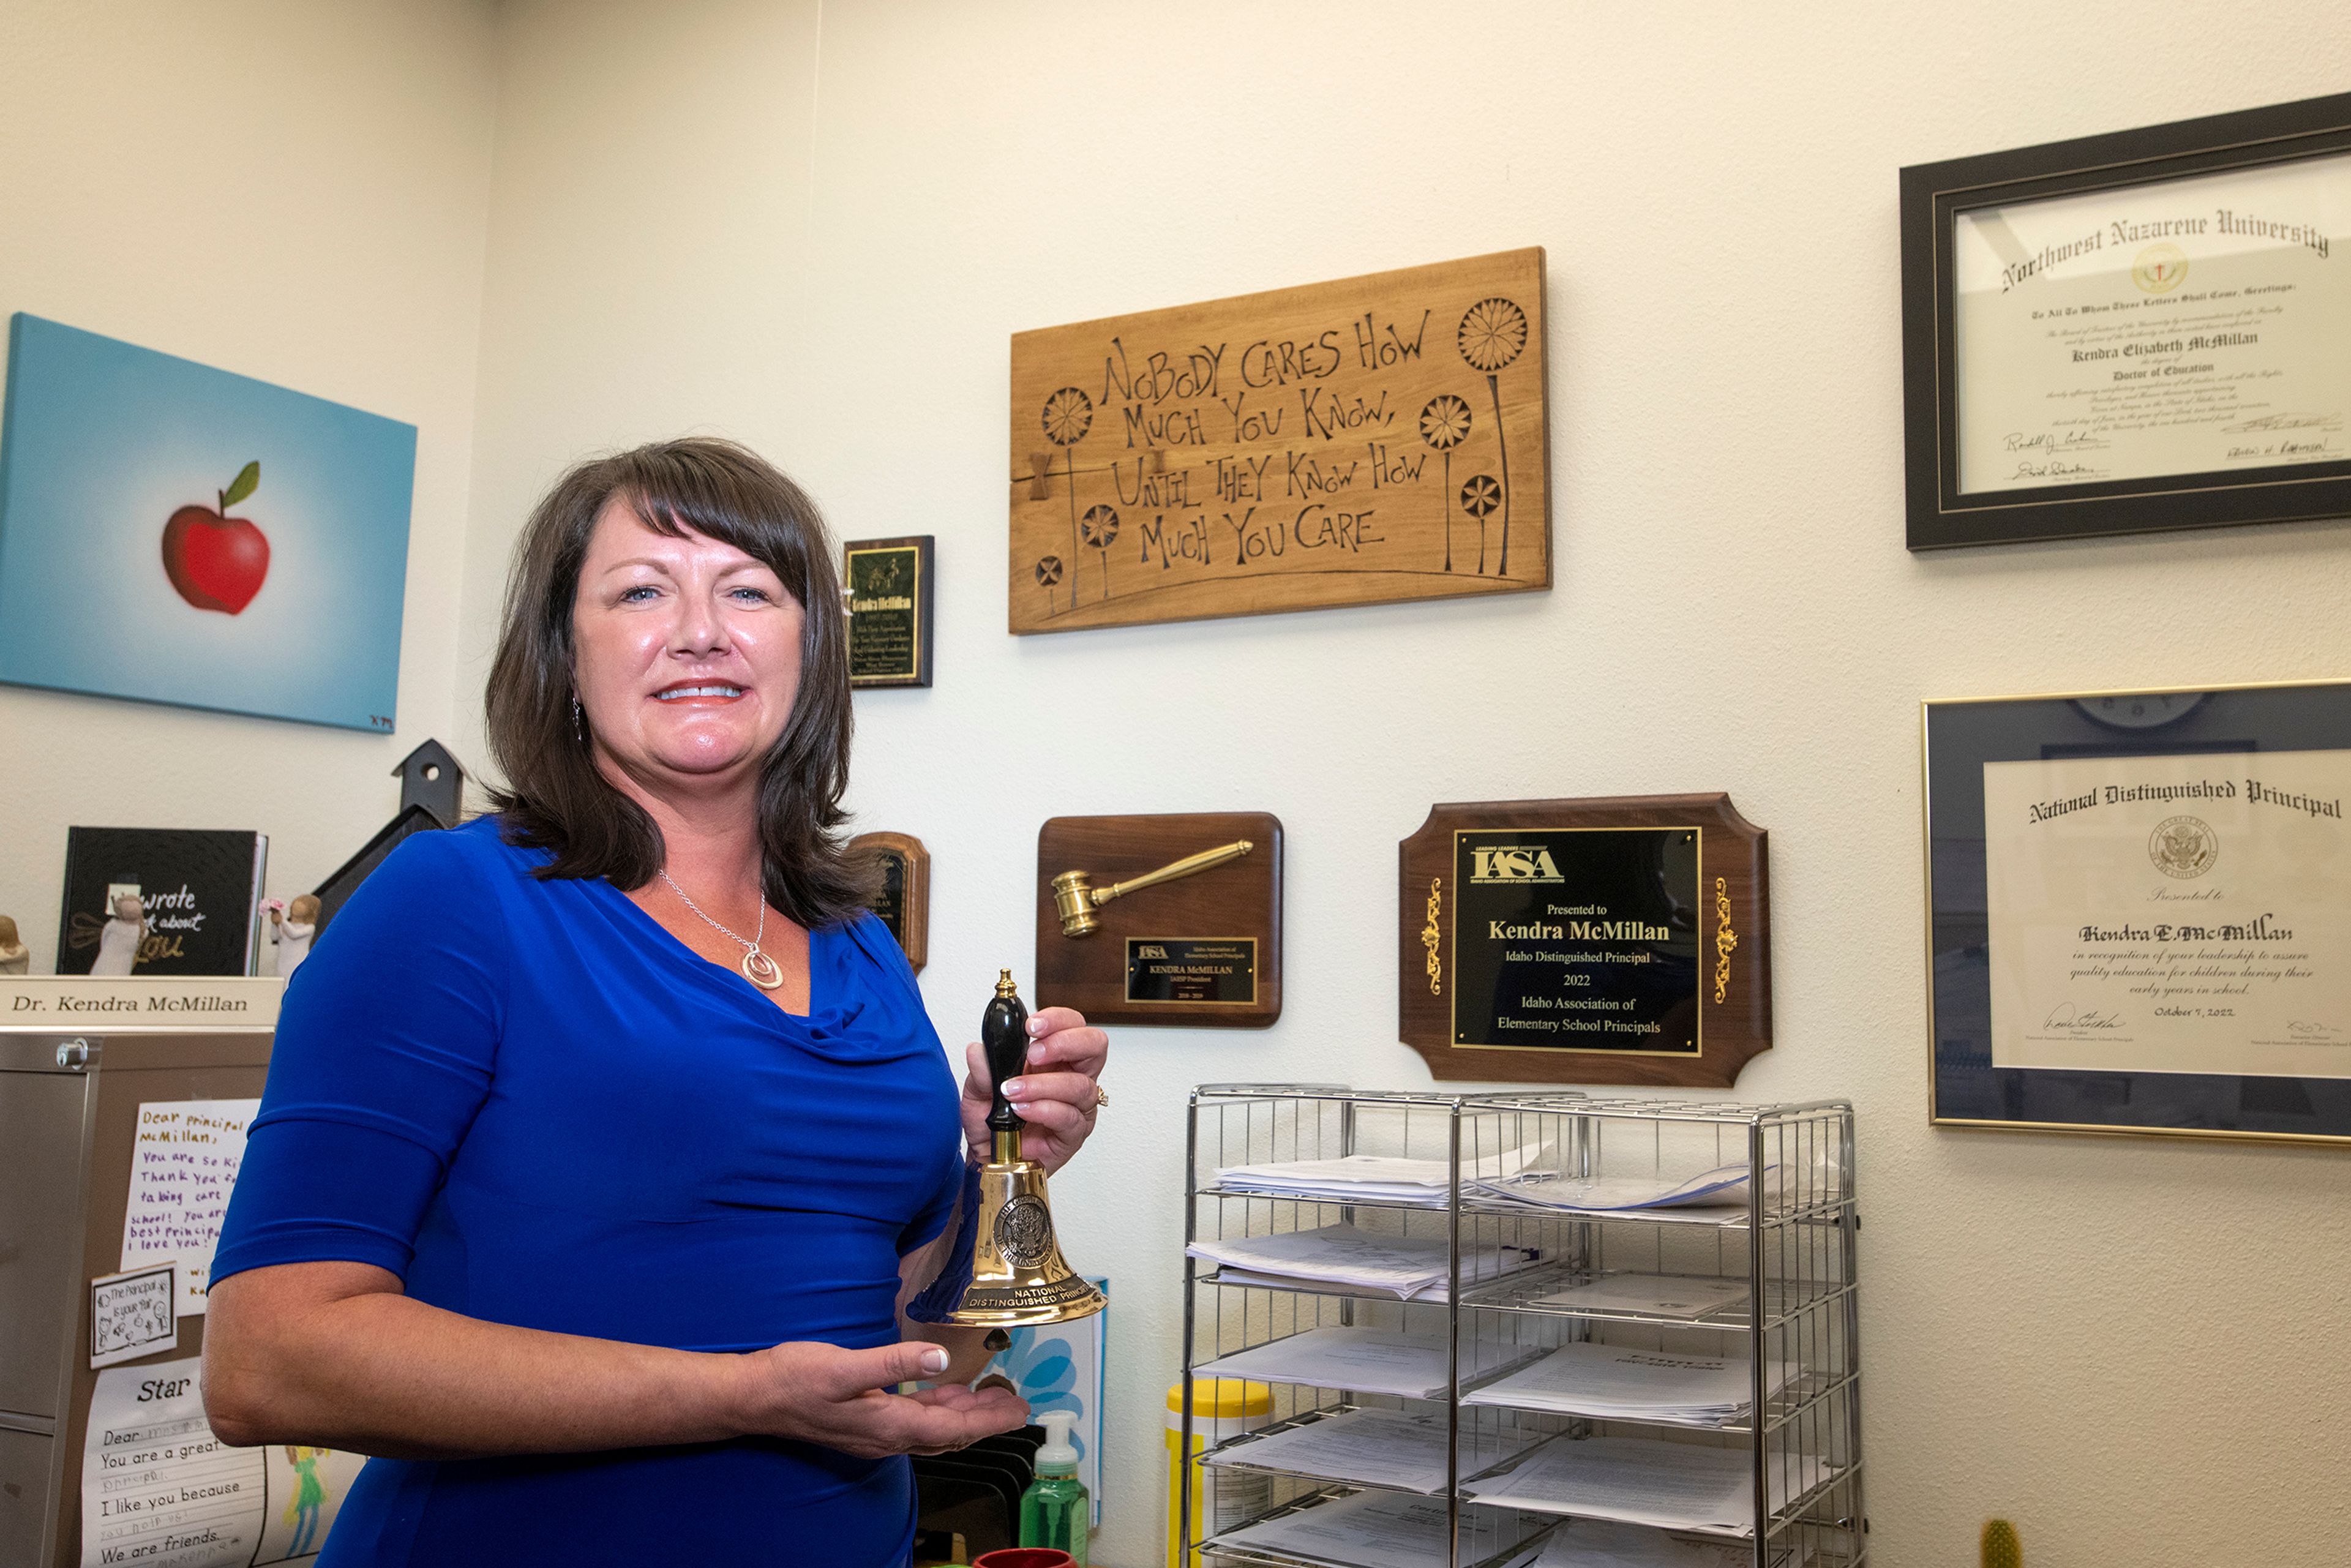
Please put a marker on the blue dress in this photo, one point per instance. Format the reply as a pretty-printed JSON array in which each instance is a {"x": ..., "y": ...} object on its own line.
[{"x": 538, "y": 1107}]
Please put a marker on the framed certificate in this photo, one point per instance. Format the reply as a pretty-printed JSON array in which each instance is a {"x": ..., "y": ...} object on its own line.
[
  {"x": 2139, "y": 911},
  {"x": 2143, "y": 331}
]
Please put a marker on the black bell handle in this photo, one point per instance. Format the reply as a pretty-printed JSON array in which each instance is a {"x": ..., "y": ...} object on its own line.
[{"x": 1004, "y": 1035}]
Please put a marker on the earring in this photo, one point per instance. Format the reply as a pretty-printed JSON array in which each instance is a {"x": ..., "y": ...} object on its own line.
[{"x": 578, "y": 729}]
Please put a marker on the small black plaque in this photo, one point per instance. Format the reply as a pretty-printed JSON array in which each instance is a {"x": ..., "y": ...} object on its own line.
[
  {"x": 889, "y": 584},
  {"x": 1202, "y": 970},
  {"x": 1577, "y": 939}
]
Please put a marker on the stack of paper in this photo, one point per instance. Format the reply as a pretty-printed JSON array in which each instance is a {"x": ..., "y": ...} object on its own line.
[
  {"x": 1342, "y": 1257},
  {"x": 1377, "y": 1530},
  {"x": 1366, "y": 1361},
  {"x": 1654, "y": 1295},
  {"x": 1721, "y": 1188},
  {"x": 1374, "y": 1178},
  {"x": 1673, "y": 1486},
  {"x": 1617, "y": 1382},
  {"x": 1380, "y": 1448},
  {"x": 1607, "y": 1543}
]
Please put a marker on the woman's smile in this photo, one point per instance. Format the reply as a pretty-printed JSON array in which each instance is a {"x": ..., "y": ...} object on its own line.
[{"x": 698, "y": 693}]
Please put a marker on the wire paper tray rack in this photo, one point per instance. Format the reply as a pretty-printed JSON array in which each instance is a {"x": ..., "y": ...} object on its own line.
[{"x": 1772, "y": 1271}]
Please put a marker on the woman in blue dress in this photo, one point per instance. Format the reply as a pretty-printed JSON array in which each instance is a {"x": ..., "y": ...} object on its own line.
[{"x": 605, "y": 1136}]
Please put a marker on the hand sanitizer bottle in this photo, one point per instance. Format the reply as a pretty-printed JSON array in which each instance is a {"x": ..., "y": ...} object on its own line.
[{"x": 1055, "y": 1510}]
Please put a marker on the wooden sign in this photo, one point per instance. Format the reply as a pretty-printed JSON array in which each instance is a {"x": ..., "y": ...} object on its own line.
[
  {"x": 1373, "y": 439},
  {"x": 903, "y": 902},
  {"x": 1201, "y": 948},
  {"x": 1625, "y": 940},
  {"x": 889, "y": 592}
]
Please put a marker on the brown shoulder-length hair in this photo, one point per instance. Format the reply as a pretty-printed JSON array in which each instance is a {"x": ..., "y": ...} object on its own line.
[{"x": 556, "y": 798}]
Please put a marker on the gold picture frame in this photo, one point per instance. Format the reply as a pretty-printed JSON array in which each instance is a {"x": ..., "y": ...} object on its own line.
[{"x": 2199, "y": 729}]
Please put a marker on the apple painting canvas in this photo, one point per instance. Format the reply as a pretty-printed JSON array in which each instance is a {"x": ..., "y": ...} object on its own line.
[{"x": 175, "y": 533}]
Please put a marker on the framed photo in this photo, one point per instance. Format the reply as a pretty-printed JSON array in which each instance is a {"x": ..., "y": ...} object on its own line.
[
  {"x": 2138, "y": 911},
  {"x": 174, "y": 533},
  {"x": 2145, "y": 330}
]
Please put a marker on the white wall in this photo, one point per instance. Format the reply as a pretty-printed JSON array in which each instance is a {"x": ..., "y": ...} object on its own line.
[
  {"x": 2128, "y": 1347},
  {"x": 816, "y": 230},
  {"x": 294, "y": 191}
]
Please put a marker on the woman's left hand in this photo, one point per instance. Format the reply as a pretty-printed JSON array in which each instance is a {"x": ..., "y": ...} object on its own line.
[{"x": 1055, "y": 1094}]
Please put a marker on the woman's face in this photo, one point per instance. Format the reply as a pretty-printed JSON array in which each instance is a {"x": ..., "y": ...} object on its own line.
[{"x": 686, "y": 652}]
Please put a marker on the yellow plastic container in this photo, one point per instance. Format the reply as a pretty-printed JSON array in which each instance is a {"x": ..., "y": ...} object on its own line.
[{"x": 1222, "y": 1407}]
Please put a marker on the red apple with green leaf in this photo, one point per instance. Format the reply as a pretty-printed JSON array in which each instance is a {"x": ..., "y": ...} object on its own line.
[{"x": 217, "y": 561}]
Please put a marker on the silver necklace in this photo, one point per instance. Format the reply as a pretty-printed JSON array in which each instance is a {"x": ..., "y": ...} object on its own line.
[{"x": 757, "y": 968}]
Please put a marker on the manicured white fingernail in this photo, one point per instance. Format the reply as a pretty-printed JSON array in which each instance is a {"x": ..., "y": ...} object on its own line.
[
  {"x": 1017, "y": 1089},
  {"x": 934, "y": 1360},
  {"x": 1036, "y": 1026}
]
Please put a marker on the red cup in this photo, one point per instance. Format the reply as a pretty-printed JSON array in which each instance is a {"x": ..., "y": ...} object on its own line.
[{"x": 1025, "y": 1557}]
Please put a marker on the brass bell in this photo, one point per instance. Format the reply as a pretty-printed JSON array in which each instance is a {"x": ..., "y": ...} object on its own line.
[{"x": 1018, "y": 1274}]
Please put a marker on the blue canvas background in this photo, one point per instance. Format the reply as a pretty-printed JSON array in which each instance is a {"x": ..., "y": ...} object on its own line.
[{"x": 103, "y": 440}]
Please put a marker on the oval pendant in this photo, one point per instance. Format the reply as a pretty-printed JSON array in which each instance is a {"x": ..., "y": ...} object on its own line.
[{"x": 762, "y": 971}]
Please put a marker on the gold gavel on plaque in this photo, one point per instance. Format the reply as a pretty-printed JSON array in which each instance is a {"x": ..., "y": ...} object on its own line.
[{"x": 1076, "y": 899}]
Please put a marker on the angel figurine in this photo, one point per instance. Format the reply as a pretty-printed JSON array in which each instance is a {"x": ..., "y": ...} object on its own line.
[
  {"x": 291, "y": 927},
  {"x": 119, "y": 939},
  {"x": 15, "y": 958}
]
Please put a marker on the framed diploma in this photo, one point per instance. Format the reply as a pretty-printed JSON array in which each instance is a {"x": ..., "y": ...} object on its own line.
[
  {"x": 2139, "y": 911},
  {"x": 2143, "y": 331},
  {"x": 1621, "y": 940}
]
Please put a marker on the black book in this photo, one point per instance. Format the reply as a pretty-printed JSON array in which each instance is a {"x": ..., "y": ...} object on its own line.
[{"x": 199, "y": 893}]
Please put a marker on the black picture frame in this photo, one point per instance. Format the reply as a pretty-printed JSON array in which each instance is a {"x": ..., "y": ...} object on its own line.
[
  {"x": 890, "y": 637},
  {"x": 1959, "y": 736},
  {"x": 1933, "y": 196}
]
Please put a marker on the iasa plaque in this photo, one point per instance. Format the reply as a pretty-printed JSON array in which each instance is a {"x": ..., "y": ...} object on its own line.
[
  {"x": 1606, "y": 941},
  {"x": 1576, "y": 938}
]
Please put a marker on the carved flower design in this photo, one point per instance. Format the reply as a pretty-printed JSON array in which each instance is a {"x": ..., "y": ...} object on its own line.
[
  {"x": 1069, "y": 414},
  {"x": 1444, "y": 423},
  {"x": 1481, "y": 495},
  {"x": 1098, "y": 526},
  {"x": 1493, "y": 333},
  {"x": 1048, "y": 570}
]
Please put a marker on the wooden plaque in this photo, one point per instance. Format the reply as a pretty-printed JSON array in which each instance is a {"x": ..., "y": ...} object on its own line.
[
  {"x": 1624, "y": 940},
  {"x": 904, "y": 904},
  {"x": 1373, "y": 439},
  {"x": 888, "y": 584},
  {"x": 1203, "y": 951}
]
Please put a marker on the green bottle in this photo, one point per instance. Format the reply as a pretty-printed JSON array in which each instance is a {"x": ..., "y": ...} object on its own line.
[{"x": 1055, "y": 1510}]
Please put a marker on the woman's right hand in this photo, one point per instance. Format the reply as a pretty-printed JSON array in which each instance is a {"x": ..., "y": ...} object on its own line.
[{"x": 840, "y": 1398}]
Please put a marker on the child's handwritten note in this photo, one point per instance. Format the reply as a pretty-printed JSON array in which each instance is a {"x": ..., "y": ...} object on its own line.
[
  {"x": 131, "y": 1315},
  {"x": 182, "y": 1167}
]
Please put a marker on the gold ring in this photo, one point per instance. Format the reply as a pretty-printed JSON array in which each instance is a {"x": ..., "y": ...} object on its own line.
[{"x": 1101, "y": 1097}]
